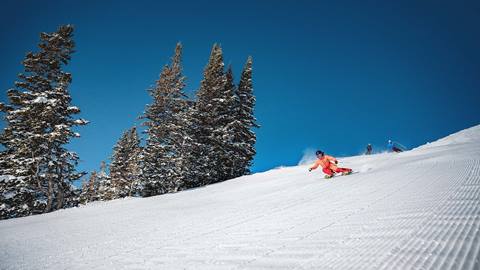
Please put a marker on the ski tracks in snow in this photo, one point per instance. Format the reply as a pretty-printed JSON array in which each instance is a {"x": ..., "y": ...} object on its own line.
[{"x": 416, "y": 210}]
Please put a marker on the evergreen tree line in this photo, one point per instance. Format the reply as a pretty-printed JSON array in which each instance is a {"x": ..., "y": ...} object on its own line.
[{"x": 189, "y": 142}]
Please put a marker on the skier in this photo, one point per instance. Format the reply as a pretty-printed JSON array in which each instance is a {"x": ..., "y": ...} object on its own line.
[
  {"x": 392, "y": 147},
  {"x": 369, "y": 149},
  {"x": 329, "y": 165}
]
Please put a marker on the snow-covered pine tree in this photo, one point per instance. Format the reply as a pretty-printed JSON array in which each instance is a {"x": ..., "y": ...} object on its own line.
[
  {"x": 118, "y": 165},
  {"x": 194, "y": 159},
  {"x": 106, "y": 190},
  {"x": 39, "y": 122},
  {"x": 161, "y": 169},
  {"x": 134, "y": 167},
  {"x": 246, "y": 115},
  {"x": 215, "y": 117},
  {"x": 124, "y": 169},
  {"x": 84, "y": 193},
  {"x": 233, "y": 129},
  {"x": 90, "y": 189}
]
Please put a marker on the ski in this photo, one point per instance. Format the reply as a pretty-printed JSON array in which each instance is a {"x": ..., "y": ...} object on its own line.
[{"x": 340, "y": 174}]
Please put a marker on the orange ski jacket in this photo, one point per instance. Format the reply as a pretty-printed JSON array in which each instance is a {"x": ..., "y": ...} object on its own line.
[{"x": 325, "y": 162}]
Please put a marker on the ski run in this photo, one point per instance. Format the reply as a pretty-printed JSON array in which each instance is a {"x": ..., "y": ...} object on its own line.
[{"x": 414, "y": 210}]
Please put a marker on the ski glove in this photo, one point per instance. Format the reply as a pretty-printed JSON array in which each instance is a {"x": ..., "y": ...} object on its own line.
[
  {"x": 310, "y": 169},
  {"x": 336, "y": 161}
]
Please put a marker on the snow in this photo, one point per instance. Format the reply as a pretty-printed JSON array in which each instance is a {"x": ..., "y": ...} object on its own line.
[
  {"x": 80, "y": 121},
  {"x": 6, "y": 178},
  {"x": 414, "y": 210},
  {"x": 9, "y": 195},
  {"x": 40, "y": 100},
  {"x": 61, "y": 126}
]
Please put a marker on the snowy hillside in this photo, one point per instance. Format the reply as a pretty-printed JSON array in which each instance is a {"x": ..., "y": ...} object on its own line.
[{"x": 415, "y": 210}]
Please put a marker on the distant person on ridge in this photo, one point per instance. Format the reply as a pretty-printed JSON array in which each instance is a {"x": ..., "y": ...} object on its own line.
[
  {"x": 329, "y": 165},
  {"x": 369, "y": 149},
  {"x": 393, "y": 148}
]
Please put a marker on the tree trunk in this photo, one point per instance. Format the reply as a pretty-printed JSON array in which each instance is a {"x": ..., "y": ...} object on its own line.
[
  {"x": 36, "y": 173},
  {"x": 60, "y": 197},
  {"x": 60, "y": 187},
  {"x": 50, "y": 195}
]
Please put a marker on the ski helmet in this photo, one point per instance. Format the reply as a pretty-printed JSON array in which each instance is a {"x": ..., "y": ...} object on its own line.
[{"x": 319, "y": 152}]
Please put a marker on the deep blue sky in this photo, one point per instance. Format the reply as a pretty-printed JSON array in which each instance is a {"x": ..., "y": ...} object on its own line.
[{"x": 333, "y": 75}]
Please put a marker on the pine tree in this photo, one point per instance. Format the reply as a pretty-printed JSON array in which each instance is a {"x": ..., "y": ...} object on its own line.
[
  {"x": 134, "y": 167},
  {"x": 161, "y": 163},
  {"x": 216, "y": 121},
  {"x": 124, "y": 169},
  {"x": 194, "y": 152},
  {"x": 90, "y": 189},
  {"x": 247, "y": 137},
  {"x": 203, "y": 160},
  {"x": 83, "y": 194},
  {"x": 39, "y": 124},
  {"x": 233, "y": 128},
  {"x": 106, "y": 190}
]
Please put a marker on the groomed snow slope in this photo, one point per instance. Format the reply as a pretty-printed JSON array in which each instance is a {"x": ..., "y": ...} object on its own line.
[{"x": 414, "y": 210}]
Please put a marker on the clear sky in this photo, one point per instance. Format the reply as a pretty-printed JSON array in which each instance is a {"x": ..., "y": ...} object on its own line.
[{"x": 330, "y": 75}]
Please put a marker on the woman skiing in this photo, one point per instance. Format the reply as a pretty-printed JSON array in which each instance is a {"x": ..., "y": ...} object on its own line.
[{"x": 329, "y": 165}]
